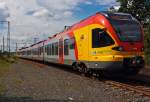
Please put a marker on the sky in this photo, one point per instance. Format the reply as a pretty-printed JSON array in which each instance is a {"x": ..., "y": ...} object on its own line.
[{"x": 40, "y": 19}]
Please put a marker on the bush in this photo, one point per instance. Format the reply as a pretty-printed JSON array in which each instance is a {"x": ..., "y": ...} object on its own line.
[{"x": 147, "y": 44}]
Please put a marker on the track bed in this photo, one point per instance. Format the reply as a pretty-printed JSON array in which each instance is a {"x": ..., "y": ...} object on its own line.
[{"x": 31, "y": 81}]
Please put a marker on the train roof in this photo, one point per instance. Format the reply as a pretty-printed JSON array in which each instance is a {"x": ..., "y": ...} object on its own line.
[
  {"x": 85, "y": 22},
  {"x": 109, "y": 12},
  {"x": 37, "y": 43},
  {"x": 119, "y": 15}
]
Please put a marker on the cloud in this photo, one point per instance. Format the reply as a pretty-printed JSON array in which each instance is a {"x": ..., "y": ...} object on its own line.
[
  {"x": 4, "y": 13},
  {"x": 88, "y": 2},
  {"x": 107, "y": 2},
  {"x": 59, "y": 5},
  {"x": 36, "y": 18},
  {"x": 40, "y": 13}
]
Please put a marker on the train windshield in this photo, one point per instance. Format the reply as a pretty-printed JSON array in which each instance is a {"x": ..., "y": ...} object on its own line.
[{"x": 127, "y": 30}]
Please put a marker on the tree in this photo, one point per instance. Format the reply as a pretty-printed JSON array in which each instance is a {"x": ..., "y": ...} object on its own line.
[
  {"x": 147, "y": 44},
  {"x": 140, "y": 9}
]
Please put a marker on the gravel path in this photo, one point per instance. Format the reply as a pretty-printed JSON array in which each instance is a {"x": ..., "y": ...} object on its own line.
[{"x": 33, "y": 82}]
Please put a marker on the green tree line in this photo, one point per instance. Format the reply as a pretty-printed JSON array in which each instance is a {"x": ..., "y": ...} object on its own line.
[{"x": 140, "y": 9}]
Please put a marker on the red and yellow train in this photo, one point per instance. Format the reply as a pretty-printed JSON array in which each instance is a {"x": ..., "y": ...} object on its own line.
[{"x": 111, "y": 42}]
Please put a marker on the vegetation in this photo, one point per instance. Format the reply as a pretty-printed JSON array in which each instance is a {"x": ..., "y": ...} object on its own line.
[
  {"x": 147, "y": 44},
  {"x": 5, "y": 63},
  {"x": 140, "y": 9}
]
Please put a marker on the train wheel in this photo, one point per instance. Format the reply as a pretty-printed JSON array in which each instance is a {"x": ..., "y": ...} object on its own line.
[
  {"x": 74, "y": 66},
  {"x": 100, "y": 75},
  {"x": 87, "y": 72},
  {"x": 84, "y": 70},
  {"x": 80, "y": 67}
]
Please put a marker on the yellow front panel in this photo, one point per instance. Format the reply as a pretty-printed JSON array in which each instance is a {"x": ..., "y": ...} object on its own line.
[{"x": 83, "y": 38}]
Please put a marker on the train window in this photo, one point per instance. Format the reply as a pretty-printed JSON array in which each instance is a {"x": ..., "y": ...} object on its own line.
[
  {"x": 49, "y": 49},
  {"x": 66, "y": 47},
  {"x": 127, "y": 30},
  {"x": 39, "y": 51},
  {"x": 50, "y": 46},
  {"x": 53, "y": 49},
  {"x": 100, "y": 38},
  {"x": 42, "y": 49},
  {"x": 28, "y": 52},
  {"x": 71, "y": 43},
  {"x": 56, "y": 48},
  {"x": 45, "y": 49},
  {"x": 32, "y": 51},
  {"x": 35, "y": 52}
]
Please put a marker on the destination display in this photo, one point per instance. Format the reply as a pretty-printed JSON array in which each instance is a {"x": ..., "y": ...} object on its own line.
[{"x": 120, "y": 17}]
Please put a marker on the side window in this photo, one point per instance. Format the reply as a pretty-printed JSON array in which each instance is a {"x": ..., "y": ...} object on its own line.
[
  {"x": 37, "y": 51},
  {"x": 53, "y": 50},
  {"x": 41, "y": 49},
  {"x": 72, "y": 43},
  {"x": 50, "y": 49},
  {"x": 56, "y": 48},
  {"x": 100, "y": 38},
  {"x": 66, "y": 47},
  {"x": 45, "y": 49}
]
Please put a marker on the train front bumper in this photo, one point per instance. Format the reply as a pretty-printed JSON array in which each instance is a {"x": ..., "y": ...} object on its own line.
[{"x": 136, "y": 62}]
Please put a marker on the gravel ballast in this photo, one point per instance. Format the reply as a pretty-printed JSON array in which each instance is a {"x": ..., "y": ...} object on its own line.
[{"x": 30, "y": 81}]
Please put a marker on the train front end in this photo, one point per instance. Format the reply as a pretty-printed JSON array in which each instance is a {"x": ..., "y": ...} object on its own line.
[{"x": 117, "y": 46}]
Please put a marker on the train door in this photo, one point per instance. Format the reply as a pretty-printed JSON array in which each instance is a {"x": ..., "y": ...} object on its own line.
[
  {"x": 61, "y": 54},
  {"x": 81, "y": 37},
  {"x": 43, "y": 55}
]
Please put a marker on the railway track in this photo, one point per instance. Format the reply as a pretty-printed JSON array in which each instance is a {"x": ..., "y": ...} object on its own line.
[
  {"x": 142, "y": 90},
  {"x": 136, "y": 85}
]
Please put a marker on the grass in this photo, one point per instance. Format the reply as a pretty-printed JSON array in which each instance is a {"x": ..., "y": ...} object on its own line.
[
  {"x": 5, "y": 63},
  {"x": 4, "y": 67},
  {"x": 147, "y": 57}
]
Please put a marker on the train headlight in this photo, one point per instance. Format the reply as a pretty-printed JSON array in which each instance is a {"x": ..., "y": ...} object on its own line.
[
  {"x": 118, "y": 48},
  {"x": 96, "y": 64},
  {"x": 142, "y": 49}
]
